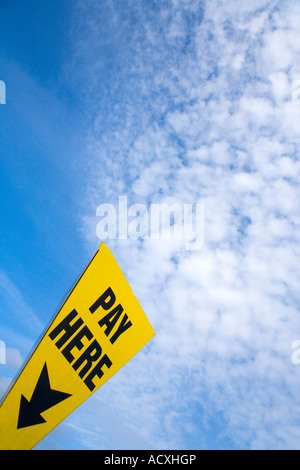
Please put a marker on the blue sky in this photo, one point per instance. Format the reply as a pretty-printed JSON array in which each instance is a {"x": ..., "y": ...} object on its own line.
[{"x": 161, "y": 101}]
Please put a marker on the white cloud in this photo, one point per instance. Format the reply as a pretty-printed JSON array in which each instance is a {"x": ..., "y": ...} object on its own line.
[{"x": 204, "y": 114}]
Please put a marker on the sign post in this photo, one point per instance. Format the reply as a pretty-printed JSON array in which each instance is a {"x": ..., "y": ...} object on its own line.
[{"x": 98, "y": 329}]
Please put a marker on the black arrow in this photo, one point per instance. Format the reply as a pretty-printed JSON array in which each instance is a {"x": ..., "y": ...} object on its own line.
[{"x": 42, "y": 399}]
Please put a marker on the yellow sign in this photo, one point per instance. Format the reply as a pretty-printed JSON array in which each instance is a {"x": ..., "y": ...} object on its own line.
[{"x": 99, "y": 328}]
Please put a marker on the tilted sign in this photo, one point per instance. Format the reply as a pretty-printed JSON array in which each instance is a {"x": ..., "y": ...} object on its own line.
[{"x": 99, "y": 328}]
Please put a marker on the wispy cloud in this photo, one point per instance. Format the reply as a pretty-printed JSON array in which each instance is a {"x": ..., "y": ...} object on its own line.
[
  {"x": 19, "y": 328},
  {"x": 192, "y": 101},
  {"x": 16, "y": 307}
]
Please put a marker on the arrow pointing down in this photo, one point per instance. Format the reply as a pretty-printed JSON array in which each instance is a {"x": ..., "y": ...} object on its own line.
[{"x": 42, "y": 399}]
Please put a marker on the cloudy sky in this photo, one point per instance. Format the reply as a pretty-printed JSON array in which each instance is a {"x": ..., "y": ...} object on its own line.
[{"x": 176, "y": 101}]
